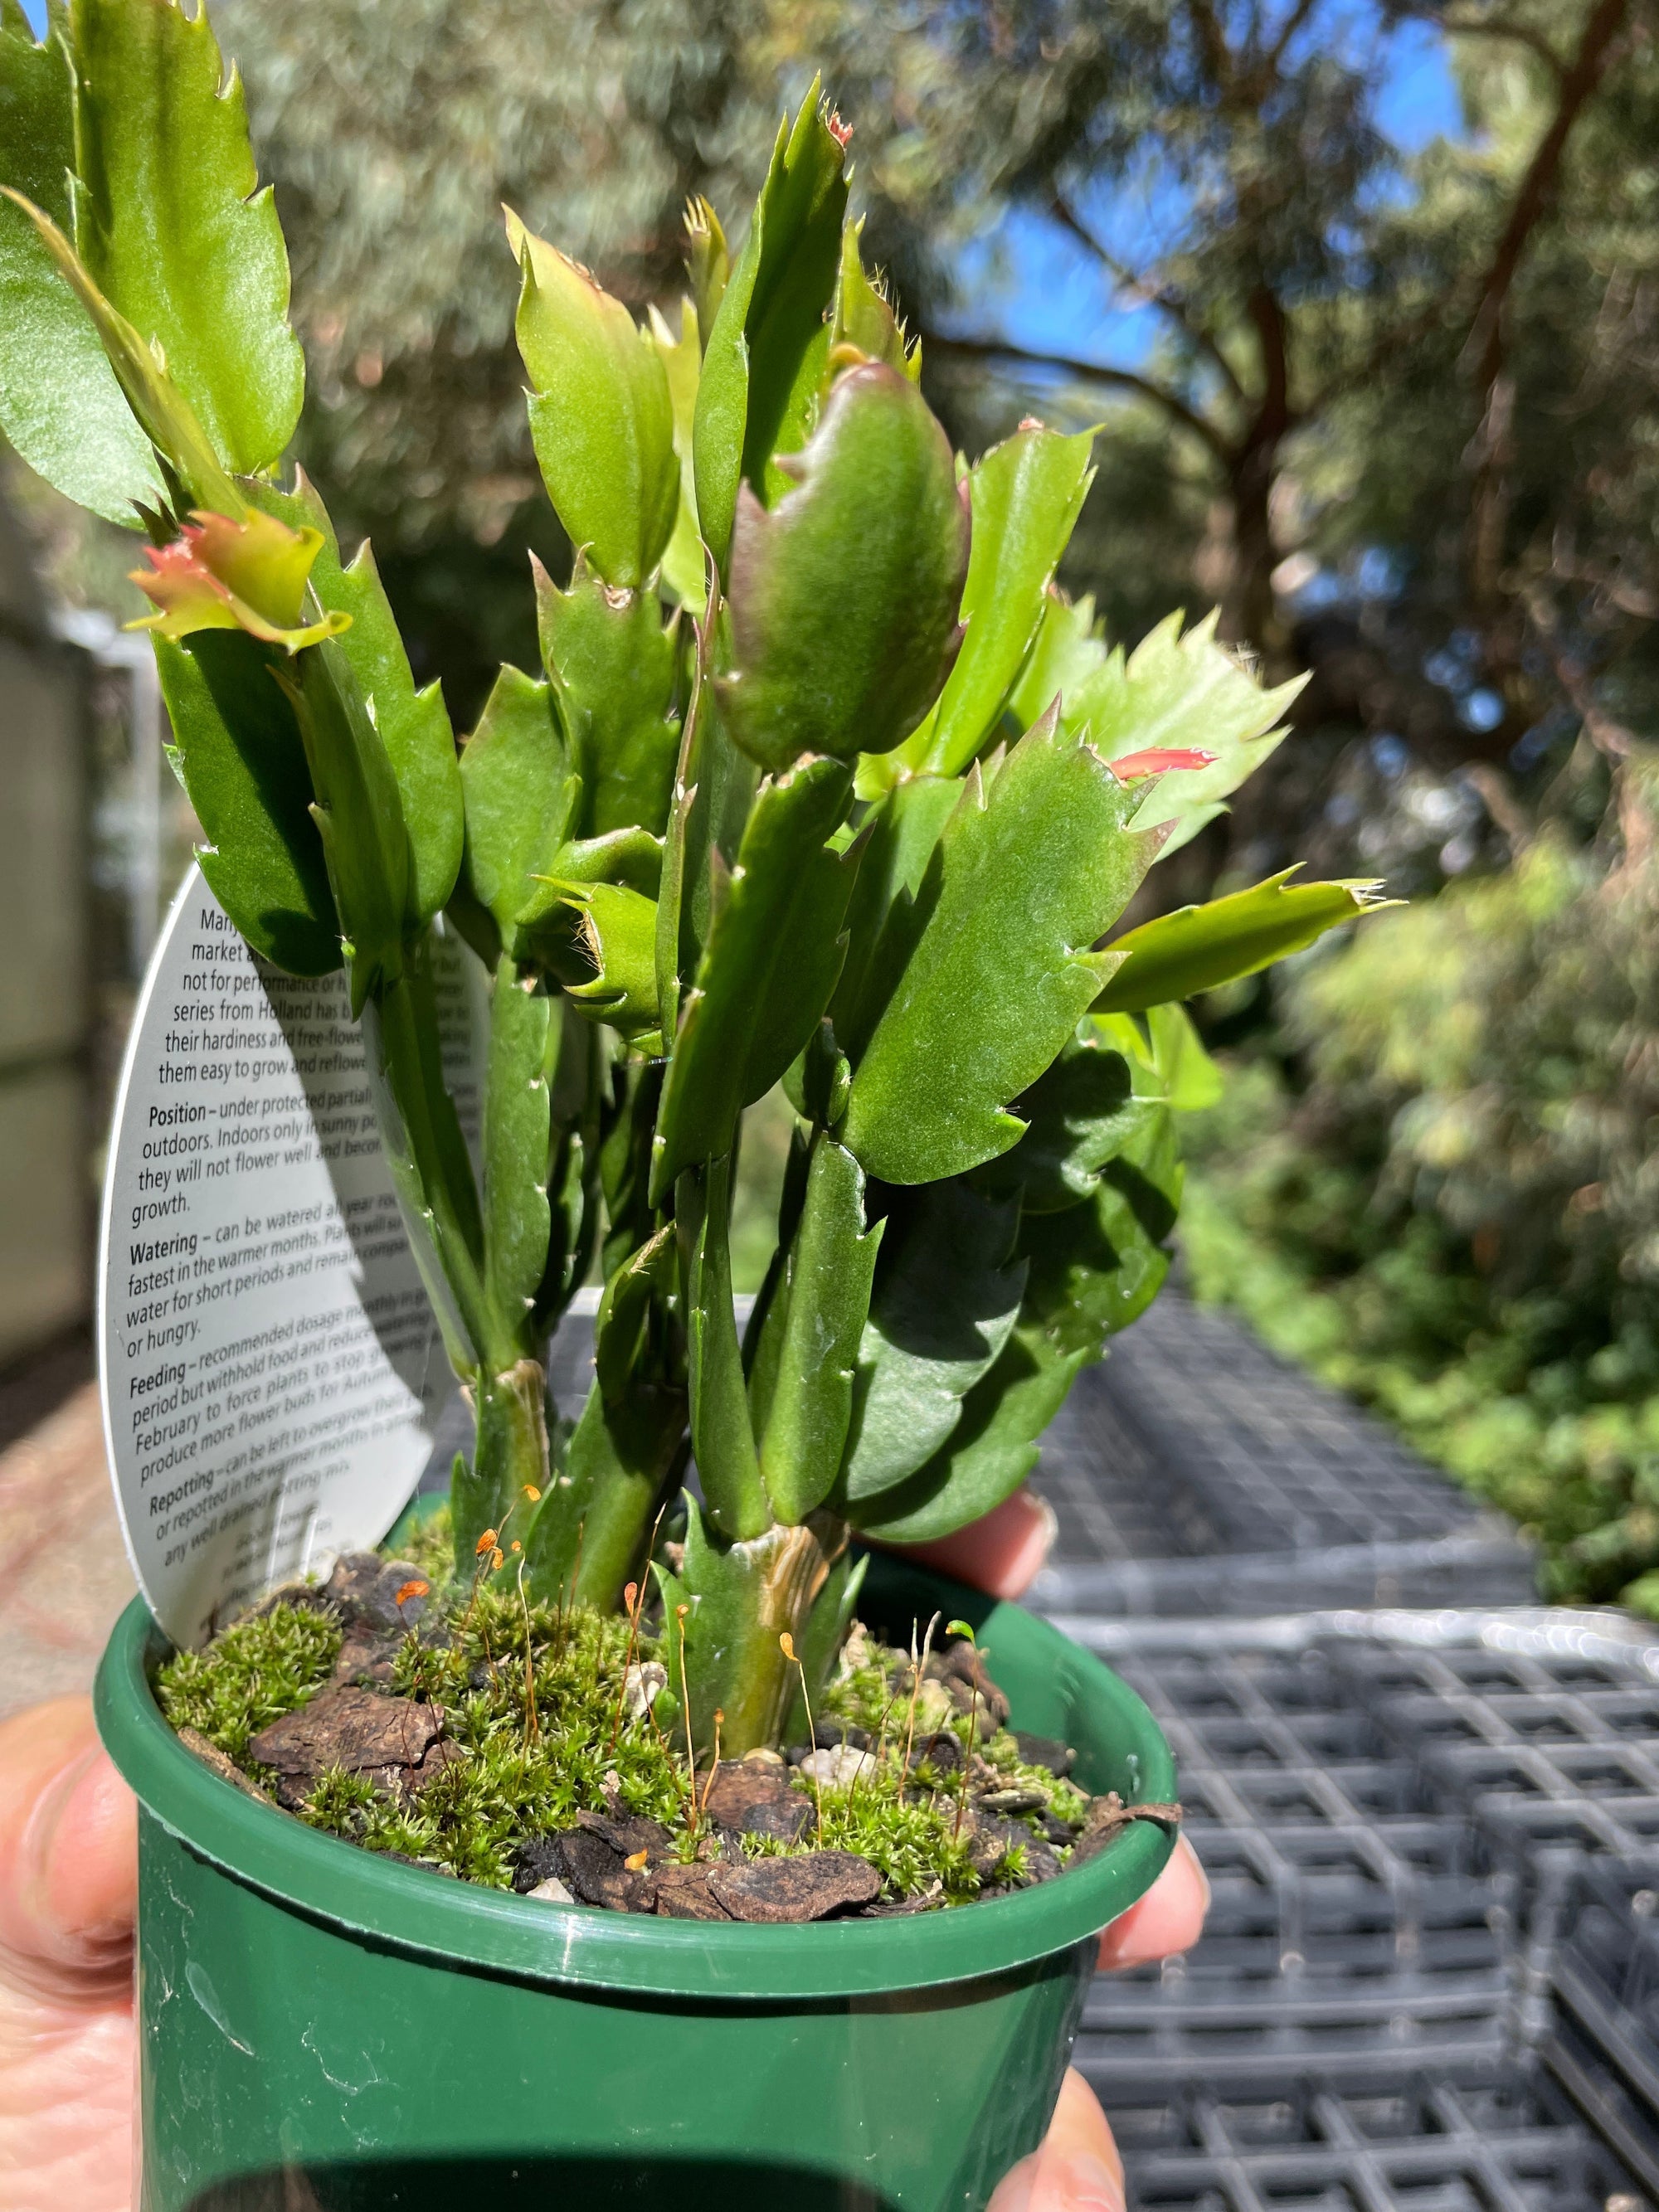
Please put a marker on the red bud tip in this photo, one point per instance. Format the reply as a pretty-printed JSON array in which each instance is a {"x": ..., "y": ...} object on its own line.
[
  {"x": 1158, "y": 760},
  {"x": 840, "y": 131},
  {"x": 182, "y": 558}
]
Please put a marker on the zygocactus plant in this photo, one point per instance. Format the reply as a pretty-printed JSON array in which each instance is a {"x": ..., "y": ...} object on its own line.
[{"x": 821, "y": 783}]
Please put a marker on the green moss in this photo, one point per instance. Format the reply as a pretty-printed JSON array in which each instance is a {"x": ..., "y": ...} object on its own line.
[
  {"x": 429, "y": 1546},
  {"x": 545, "y": 1741},
  {"x": 912, "y": 1840},
  {"x": 533, "y": 1763},
  {"x": 906, "y": 1819},
  {"x": 865, "y": 1692},
  {"x": 252, "y": 1675},
  {"x": 872, "y": 1691}
]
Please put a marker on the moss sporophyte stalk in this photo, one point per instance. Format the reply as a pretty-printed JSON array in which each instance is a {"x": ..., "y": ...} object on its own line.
[{"x": 820, "y": 782}]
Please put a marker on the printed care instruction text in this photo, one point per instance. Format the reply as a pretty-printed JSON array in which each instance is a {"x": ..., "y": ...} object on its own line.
[{"x": 269, "y": 1366}]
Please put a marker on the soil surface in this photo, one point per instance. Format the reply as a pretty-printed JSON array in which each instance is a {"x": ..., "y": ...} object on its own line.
[{"x": 533, "y": 1749}]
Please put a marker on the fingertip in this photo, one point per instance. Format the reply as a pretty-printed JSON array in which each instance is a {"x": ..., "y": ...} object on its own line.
[
  {"x": 1076, "y": 2168},
  {"x": 1169, "y": 1920},
  {"x": 1001, "y": 1554},
  {"x": 68, "y": 1845},
  {"x": 1013, "y": 2192},
  {"x": 1080, "y": 2124},
  {"x": 92, "y": 1874}
]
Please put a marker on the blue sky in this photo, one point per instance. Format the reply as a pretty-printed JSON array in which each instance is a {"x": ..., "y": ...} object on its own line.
[{"x": 1033, "y": 285}]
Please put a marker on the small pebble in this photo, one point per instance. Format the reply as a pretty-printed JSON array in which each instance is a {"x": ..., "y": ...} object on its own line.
[
  {"x": 364, "y": 1587},
  {"x": 642, "y": 1685},
  {"x": 826, "y": 1734},
  {"x": 1013, "y": 1800},
  {"x": 1044, "y": 1751},
  {"x": 751, "y": 1799},
  {"x": 941, "y": 1751},
  {"x": 838, "y": 1769},
  {"x": 551, "y": 1892}
]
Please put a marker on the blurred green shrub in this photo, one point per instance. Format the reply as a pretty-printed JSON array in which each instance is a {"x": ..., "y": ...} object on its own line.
[{"x": 1444, "y": 1201}]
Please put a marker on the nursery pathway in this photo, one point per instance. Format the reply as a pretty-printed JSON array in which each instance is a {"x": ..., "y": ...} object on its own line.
[{"x": 63, "y": 1572}]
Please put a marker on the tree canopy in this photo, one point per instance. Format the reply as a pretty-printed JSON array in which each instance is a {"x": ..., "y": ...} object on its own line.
[{"x": 1389, "y": 392}]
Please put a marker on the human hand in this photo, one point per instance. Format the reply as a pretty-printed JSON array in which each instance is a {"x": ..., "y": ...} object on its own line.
[
  {"x": 67, "y": 1893},
  {"x": 68, "y": 1882},
  {"x": 68, "y": 1888},
  {"x": 1076, "y": 2168}
]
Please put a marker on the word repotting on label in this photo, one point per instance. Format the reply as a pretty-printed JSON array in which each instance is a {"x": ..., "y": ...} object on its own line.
[{"x": 269, "y": 1366}]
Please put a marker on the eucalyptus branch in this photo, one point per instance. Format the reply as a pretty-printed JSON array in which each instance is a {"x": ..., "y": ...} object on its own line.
[
  {"x": 1163, "y": 297},
  {"x": 1506, "y": 27},
  {"x": 1089, "y": 372},
  {"x": 1577, "y": 79}
]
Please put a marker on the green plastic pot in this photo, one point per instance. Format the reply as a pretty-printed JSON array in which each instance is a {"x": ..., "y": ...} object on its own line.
[{"x": 326, "y": 2029}]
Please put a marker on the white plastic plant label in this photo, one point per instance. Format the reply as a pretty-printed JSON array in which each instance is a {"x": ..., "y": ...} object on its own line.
[{"x": 270, "y": 1367}]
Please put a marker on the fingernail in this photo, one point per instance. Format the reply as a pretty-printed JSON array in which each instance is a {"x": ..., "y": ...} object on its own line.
[
  {"x": 1037, "y": 1539},
  {"x": 40, "y": 1837},
  {"x": 1013, "y": 2191},
  {"x": 1078, "y": 2183},
  {"x": 1198, "y": 1868}
]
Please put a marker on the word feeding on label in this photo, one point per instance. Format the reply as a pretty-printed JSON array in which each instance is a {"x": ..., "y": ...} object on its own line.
[{"x": 270, "y": 1367}]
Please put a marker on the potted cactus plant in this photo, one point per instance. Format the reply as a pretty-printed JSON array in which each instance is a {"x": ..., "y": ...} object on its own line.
[{"x": 822, "y": 784}]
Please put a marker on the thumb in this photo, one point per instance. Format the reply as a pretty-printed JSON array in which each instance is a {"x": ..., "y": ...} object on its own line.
[
  {"x": 69, "y": 1857},
  {"x": 1077, "y": 2168}
]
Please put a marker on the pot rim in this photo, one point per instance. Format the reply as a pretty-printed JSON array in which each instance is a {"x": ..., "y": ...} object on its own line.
[{"x": 472, "y": 1928}]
